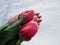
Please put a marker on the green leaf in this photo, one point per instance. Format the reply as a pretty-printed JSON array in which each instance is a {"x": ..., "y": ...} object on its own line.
[
  {"x": 5, "y": 36},
  {"x": 4, "y": 26}
]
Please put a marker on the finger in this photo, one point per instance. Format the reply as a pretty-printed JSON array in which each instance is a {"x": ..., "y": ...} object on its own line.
[{"x": 15, "y": 18}]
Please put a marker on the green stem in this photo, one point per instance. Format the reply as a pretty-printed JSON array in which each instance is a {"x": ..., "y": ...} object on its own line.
[
  {"x": 19, "y": 42},
  {"x": 3, "y": 27}
]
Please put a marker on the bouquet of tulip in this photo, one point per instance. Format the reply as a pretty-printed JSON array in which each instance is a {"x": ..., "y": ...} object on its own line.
[{"x": 20, "y": 28}]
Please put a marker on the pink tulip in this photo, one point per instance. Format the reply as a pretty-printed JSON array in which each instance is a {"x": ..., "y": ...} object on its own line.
[
  {"x": 29, "y": 29},
  {"x": 29, "y": 13}
]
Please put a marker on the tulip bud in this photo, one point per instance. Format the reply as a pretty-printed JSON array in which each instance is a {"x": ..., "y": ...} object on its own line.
[
  {"x": 37, "y": 19},
  {"x": 29, "y": 29},
  {"x": 29, "y": 13}
]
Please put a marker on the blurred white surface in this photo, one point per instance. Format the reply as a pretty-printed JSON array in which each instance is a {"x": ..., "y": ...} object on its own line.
[{"x": 49, "y": 30}]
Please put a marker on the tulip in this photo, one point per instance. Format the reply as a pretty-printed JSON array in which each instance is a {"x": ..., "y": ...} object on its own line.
[
  {"x": 29, "y": 13},
  {"x": 29, "y": 29}
]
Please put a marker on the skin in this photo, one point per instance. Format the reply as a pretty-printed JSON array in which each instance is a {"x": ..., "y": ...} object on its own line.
[{"x": 15, "y": 18}]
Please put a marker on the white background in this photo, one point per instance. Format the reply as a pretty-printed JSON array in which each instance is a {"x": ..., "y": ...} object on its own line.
[{"x": 49, "y": 30}]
